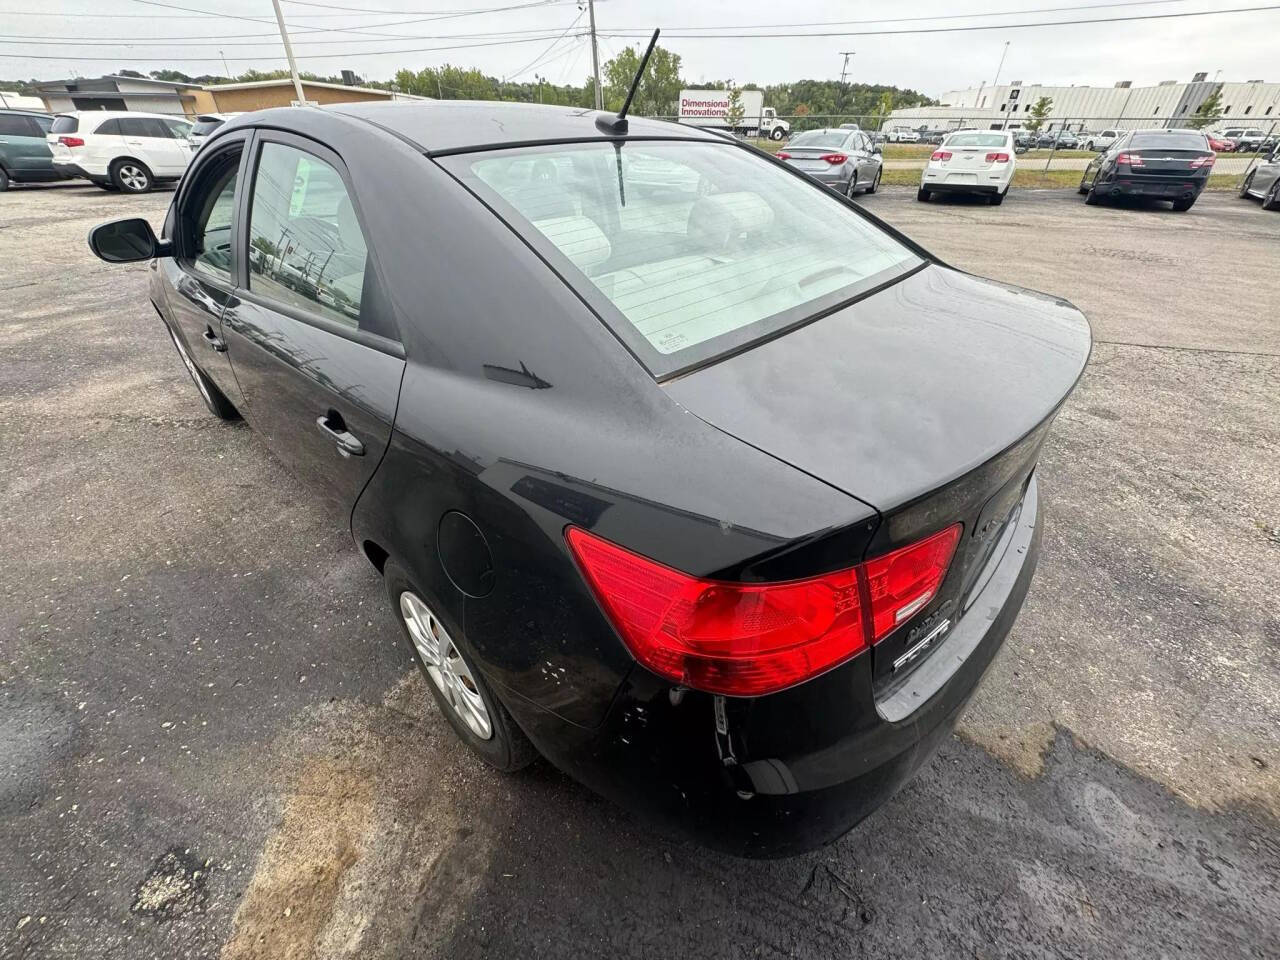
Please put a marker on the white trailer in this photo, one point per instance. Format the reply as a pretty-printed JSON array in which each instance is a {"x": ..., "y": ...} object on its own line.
[{"x": 707, "y": 108}]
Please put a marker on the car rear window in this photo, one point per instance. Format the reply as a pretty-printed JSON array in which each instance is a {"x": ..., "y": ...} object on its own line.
[
  {"x": 203, "y": 128},
  {"x": 64, "y": 125},
  {"x": 1169, "y": 141},
  {"x": 687, "y": 250},
  {"x": 820, "y": 138},
  {"x": 978, "y": 140}
]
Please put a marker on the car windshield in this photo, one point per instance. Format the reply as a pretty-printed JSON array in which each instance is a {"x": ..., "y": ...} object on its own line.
[
  {"x": 687, "y": 250},
  {"x": 977, "y": 140},
  {"x": 1169, "y": 141},
  {"x": 820, "y": 138}
]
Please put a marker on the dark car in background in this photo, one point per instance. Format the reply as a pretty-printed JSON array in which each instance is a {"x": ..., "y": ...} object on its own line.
[
  {"x": 1168, "y": 165},
  {"x": 722, "y": 496},
  {"x": 844, "y": 159},
  {"x": 1263, "y": 182},
  {"x": 1058, "y": 140},
  {"x": 25, "y": 156}
]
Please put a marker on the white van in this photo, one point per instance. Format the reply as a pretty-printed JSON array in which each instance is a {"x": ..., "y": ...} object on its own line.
[{"x": 120, "y": 150}]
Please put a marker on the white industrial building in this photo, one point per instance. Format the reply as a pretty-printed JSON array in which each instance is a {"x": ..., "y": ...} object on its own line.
[{"x": 1167, "y": 104}]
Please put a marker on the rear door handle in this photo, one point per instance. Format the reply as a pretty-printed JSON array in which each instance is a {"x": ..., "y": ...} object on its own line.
[
  {"x": 214, "y": 341},
  {"x": 331, "y": 425}
]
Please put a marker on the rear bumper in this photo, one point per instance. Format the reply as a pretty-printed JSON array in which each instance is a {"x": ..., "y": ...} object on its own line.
[
  {"x": 71, "y": 169},
  {"x": 1161, "y": 188},
  {"x": 945, "y": 186},
  {"x": 778, "y": 775}
]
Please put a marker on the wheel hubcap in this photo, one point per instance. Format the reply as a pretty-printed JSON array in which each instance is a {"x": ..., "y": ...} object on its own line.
[
  {"x": 133, "y": 177},
  {"x": 445, "y": 666}
]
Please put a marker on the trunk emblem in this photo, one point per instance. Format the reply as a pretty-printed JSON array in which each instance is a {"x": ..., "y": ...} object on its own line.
[{"x": 921, "y": 648}]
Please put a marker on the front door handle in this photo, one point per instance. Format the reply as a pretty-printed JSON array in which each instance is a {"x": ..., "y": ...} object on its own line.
[
  {"x": 331, "y": 425},
  {"x": 216, "y": 343}
]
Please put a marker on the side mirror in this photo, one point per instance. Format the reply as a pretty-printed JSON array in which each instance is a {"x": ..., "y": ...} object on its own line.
[{"x": 126, "y": 241}]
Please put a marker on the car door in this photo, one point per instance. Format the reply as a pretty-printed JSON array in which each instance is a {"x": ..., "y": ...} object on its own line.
[
  {"x": 1266, "y": 174},
  {"x": 149, "y": 140},
  {"x": 866, "y": 164},
  {"x": 23, "y": 149},
  {"x": 310, "y": 334},
  {"x": 200, "y": 279}
]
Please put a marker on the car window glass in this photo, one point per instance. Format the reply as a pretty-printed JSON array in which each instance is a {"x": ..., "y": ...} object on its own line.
[
  {"x": 305, "y": 244},
  {"x": 180, "y": 129},
  {"x": 977, "y": 140},
  {"x": 695, "y": 248},
  {"x": 64, "y": 125},
  {"x": 14, "y": 125},
  {"x": 43, "y": 124},
  {"x": 819, "y": 138},
  {"x": 109, "y": 128},
  {"x": 211, "y": 229},
  {"x": 1170, "y": 141}
]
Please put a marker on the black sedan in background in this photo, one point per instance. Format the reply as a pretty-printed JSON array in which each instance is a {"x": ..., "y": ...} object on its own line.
[
  {"x": 720, "y": 496},
  {"x": 1157, "y": 164}
]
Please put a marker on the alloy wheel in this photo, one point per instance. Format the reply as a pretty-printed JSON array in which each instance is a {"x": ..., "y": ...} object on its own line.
[
  {"x": 445, "y": 666},
  {"x": 133, "y": 177}
]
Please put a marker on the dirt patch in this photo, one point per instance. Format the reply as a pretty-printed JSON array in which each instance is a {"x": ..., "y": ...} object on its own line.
[
  {"x": 372, "y": 852},
  {"x": 1024, "y": 750},
  {"x": 175, "y": 885}
]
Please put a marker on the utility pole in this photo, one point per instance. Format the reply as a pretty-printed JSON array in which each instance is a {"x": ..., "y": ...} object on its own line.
[
  {"x": 288, "y": 52},
  {"x": 225, "y": 68},
  {"x": 1003, "y": 54},
  {"x": 595, "y": 53},
  {"x": 845, "y": 69}
]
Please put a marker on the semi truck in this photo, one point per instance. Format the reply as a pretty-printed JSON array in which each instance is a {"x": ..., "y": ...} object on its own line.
[{"x": 707, "y": 108}]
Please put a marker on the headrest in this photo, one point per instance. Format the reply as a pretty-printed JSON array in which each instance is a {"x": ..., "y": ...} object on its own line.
[
  {"x": 578, "y": 238},
  {"x": 717, "y": 222}
]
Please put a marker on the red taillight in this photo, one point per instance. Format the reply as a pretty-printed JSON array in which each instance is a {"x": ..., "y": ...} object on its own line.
[
  {"x": 1132, "y": 159},
  {"x": 71, "y": 141},
  {"x": 782, "y": 155},
  {"x": 997, "y": 158},
  {"x": 903, "y": 582},
  {"x": 942, "y": 156},
  {"x": 834, "y": 158},
  {"x": 1200, "y": 162},
  {"x": 745, "y": 639}
]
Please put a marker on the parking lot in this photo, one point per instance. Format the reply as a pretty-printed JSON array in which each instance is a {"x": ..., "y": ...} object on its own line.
[{"x": 217, "y": 747}]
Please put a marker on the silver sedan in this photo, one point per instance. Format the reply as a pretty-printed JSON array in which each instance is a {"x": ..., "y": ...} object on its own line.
[{"x": 844, "y": 160}]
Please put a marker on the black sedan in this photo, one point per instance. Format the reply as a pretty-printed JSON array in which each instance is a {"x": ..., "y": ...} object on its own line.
[
  {"x": 722, "y": 497},
  {"x": 1169, "y": 165}
]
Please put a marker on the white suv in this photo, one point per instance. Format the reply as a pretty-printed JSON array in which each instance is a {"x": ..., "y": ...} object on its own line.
[
  {"x": 1099, "y": 141},
  {"x": 121, "y": 151}
]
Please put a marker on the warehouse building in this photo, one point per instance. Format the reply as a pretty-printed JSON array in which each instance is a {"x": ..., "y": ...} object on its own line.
[
  {"x": 262, "y": 94},
  {"x": 114, "y": 92},
  {"x": 1168, "y": 104}
]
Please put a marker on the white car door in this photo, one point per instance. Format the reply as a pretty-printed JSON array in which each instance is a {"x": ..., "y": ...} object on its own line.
[{"x": 149, "y": 140}]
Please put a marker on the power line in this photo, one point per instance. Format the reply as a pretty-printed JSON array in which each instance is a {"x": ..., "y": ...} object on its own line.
[
  {"x": 259, "y": 59},
  {"x": 538, "y": 58},
  {"x": 194, "y": 13},
  {"x": 543, "y": 33},
  {"x": 966, "y": 29}
]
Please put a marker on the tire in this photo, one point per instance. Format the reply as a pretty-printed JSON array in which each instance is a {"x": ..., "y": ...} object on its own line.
[
  {"x": 1182, "y": 206},
  {"x": 105, "y": 185},
  {"x": 776, "y": 133},
  {"x": 131, "y": 176},
  {"x": 922, "y": 195},
  {"x": 850, "y": 190},
  {"x": 1271, "y": 200},
  {"x": 1091, "y": 198},
  {"x": 1244, "y": 187},
  {"x": 1082, "y": 189},
  {"x": 875, "y": 181},
  {"x": 498, "y": 741},
  {"x": 4, "y": 179},
  {"x": 1088, "y": 145},
  {"x": 997, "y": 198},
  {"x": 213, "y": 398}
]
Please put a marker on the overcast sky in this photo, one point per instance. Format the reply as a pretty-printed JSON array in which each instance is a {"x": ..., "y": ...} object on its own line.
[{"x": 1242, "y": 45}]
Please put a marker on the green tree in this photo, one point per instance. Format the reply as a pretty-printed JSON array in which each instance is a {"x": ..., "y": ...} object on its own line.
[
  {"x": 659, "y": 87},
  {"x": 1038, "y": 113},
  {"x": 1209, "y": 112},
  {"x": 735, "y": 111},
  {"x": 884, "y": 107}
]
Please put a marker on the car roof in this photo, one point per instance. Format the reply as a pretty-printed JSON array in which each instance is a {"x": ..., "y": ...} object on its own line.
[
  {"x": 25, "y": 113},
  {"x": 450, "y": 126},
  {"x": 112, "y": 114}
]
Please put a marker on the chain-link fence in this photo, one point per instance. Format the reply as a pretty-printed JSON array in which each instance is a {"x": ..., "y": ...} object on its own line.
[{"x": 1057, "y": 143}]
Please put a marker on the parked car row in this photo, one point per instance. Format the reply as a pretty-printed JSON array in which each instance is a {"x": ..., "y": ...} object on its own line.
[{"x": 117, "y": 150}]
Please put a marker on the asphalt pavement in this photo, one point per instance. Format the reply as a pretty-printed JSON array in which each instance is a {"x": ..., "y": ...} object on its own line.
[{"x": 212, "y": 743}]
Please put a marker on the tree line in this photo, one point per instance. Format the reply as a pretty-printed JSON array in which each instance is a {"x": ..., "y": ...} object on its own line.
[{"x": 812, "y": 103}]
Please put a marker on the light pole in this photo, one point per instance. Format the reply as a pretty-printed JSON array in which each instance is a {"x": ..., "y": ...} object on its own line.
[
  {"x": 595, "y": 54},
  {"x": 288, "y": 52}
]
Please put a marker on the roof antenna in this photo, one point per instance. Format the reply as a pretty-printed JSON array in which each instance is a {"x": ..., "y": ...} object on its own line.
[{"x": 618, "y": 125}]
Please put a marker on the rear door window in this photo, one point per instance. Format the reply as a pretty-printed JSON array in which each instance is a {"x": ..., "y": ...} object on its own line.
[
  {"x": 109, "y": 128},
  {"x": 687, "y": 250},
  {"x": 306, "y": 248},
  {"x": 16, "y": 125}
]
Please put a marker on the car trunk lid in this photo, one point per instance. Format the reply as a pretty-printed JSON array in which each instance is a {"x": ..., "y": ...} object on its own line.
[
  {"x": 928, "y": 400},
  {"x": 810, "y": 159}
]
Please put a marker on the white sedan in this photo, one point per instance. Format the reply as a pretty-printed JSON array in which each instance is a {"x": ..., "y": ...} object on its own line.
[{"x": 972, "y": 161}]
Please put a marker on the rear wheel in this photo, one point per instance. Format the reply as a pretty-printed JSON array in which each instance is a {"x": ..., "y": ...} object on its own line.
[
  {"x": 1182, "y": 206},
  {"x": 1247, "y": 185},
  {"x": 922, "y": 195},
  {"x": 777, "y": 134},
  {"x": 463, "y": 695},
  {"x": 214, "y": 398},
  {"x": 131, "y": 176}
]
